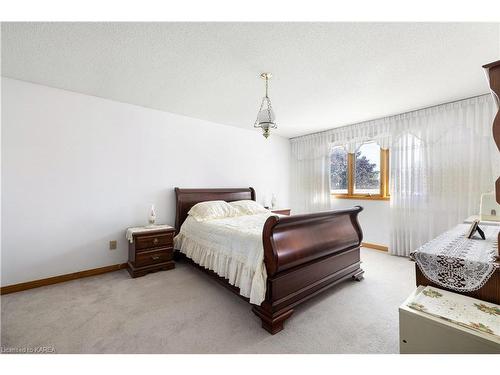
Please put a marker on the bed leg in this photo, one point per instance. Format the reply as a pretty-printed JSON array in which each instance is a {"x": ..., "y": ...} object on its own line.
[
  {"x": 273, "y": 323},
  {"x": 358, "y": 276}
]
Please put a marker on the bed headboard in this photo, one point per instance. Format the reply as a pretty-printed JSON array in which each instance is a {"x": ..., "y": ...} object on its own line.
[{"x": 187, "y": 198}]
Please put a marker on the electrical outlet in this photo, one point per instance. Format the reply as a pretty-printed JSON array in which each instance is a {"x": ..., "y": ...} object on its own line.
[{"x": 112, "y": 245}]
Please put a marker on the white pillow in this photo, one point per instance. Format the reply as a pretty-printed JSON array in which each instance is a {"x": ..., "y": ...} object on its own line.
[
  {"x": 212, "y": 210},
  {"x": 248, "y": 207}
]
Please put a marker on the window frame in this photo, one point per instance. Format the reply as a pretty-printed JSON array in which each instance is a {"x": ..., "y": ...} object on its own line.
[{"x": 384, "y": 179}]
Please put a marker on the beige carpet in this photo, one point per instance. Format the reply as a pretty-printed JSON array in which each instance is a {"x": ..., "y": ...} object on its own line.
[{"x": 184, "y": 311}]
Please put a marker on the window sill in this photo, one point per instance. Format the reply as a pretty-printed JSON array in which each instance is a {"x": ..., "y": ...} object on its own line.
[{"x": 361, "y": 197}]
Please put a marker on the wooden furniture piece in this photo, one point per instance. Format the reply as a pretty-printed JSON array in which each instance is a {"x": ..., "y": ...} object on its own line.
[
  {"x": 151, "y": 251},
  {"x": 421, "y": 333},
  {"x": 489, "y": 292},
  {"x": 303, "y": 254},
  {"x": 282, "y": 211},
  {"x": 493, "y": 74}
]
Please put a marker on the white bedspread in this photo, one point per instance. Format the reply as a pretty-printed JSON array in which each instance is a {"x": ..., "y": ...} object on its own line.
[{"x": 232, "y": 248}]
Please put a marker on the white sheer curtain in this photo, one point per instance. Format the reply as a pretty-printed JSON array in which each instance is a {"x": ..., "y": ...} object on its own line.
[
  {"x": 442, "y": 159},
  {"x": 310, "y": 174},
  {"x": 408, "y": 167}
]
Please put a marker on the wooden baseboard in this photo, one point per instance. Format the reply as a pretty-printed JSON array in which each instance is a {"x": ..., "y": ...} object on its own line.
[
  {"x": 61, "y": 278},
  {"x": 374, "y": 246},
  {"x": 98, "y": 271}
]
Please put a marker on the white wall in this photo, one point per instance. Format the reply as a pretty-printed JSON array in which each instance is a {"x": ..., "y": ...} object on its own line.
[
  {"x": 77, "y": 170},
  {"x": 374, "y": 219}
]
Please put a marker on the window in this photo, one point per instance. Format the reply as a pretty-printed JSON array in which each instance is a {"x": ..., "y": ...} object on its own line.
[
  {"x": 367, "y": 169},
  {"x": 338, "y": 171},
  {"x": 360, "y": 175}
]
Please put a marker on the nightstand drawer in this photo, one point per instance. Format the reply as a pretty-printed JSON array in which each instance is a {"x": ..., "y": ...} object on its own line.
[
  {"x": 146, "y": 258},
  {"x": 150, "y": 249},
  {"x": 145, "y": 242}
]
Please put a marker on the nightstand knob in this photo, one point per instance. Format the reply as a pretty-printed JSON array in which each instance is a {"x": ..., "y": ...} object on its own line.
[
  {"x": 155, "y": 241},
  {"x": 155, "y": 257}
]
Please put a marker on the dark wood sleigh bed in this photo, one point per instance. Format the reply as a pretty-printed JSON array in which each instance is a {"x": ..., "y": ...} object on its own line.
[{"x": 303, "y": 254}]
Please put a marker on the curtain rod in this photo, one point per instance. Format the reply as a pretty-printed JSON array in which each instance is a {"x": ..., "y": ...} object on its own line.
[{"x": 397, "y": 114}]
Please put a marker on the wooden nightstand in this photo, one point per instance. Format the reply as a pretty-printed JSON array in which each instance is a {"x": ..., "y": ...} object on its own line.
[
  {"x": 150, "y": 250},
  {"x": 282, "y": 211}
]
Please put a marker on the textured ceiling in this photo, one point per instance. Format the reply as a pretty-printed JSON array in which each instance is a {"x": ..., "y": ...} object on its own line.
[{"x": 324, "y": 74}]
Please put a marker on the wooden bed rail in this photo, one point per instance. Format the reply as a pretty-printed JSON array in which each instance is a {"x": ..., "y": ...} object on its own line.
[{"x": 294, "y": 240}]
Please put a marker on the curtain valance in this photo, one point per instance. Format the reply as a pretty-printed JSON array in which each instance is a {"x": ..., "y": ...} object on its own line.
[{"x": 429, "y": 124}]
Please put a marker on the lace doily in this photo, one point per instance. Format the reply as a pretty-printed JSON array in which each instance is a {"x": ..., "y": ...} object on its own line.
[{"x": 458, "y": 263}]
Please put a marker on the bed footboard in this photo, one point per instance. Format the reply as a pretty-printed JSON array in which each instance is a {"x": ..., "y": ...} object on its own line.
[{"x": 304, "y": 255}]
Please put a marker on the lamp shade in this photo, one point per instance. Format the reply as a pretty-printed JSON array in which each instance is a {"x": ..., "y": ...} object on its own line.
[
  {"x": 266, "y": 118},
  {"x": 266, "y": 113}
]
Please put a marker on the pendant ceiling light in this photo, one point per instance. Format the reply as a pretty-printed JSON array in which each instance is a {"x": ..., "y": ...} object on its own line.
[{"x": 265, "y": 117}]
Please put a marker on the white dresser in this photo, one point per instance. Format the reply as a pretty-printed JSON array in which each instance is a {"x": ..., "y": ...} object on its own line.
[{"x": 423, "y": 333}]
